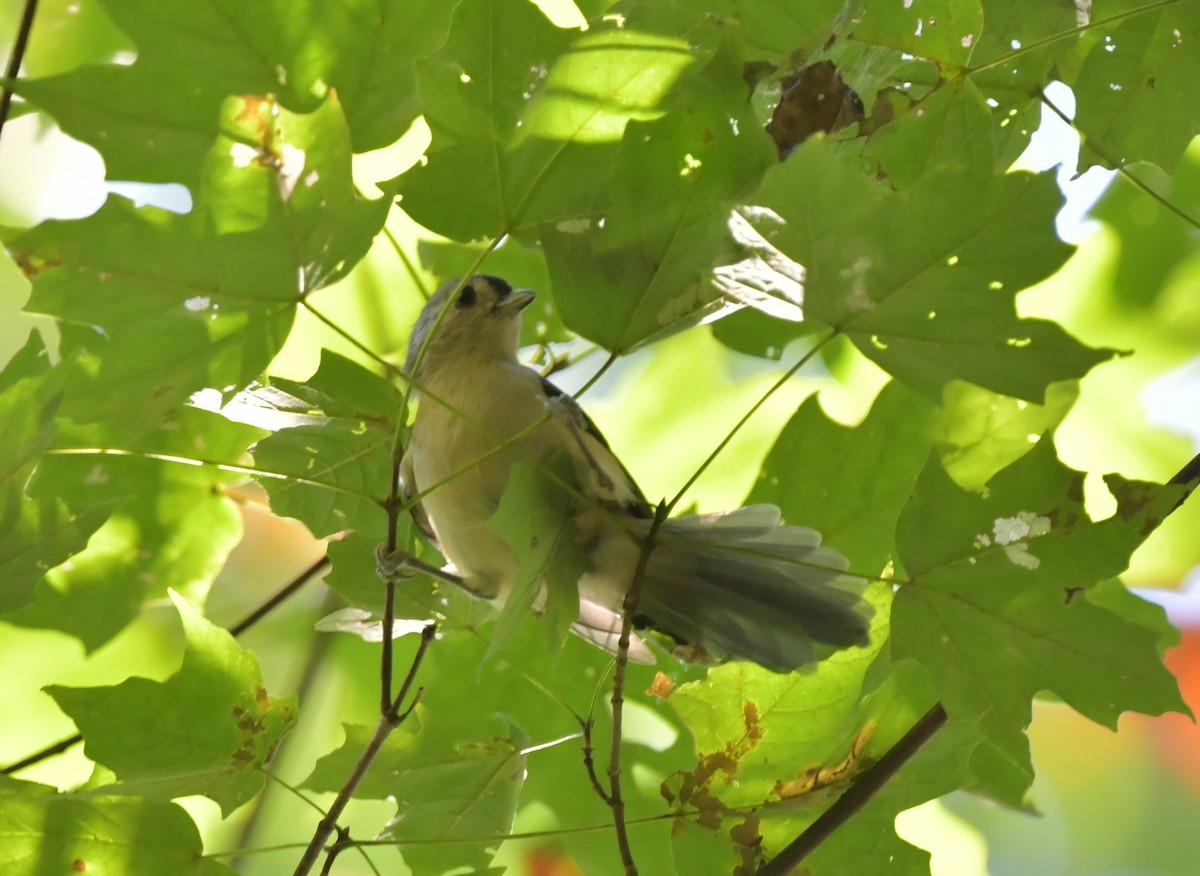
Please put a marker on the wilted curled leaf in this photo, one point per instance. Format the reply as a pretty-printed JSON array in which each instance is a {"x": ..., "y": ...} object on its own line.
[{"x": 813, "y": 99}]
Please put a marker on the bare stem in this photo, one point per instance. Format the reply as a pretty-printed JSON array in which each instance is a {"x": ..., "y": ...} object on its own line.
[
  {"x": 589, "y": 762},
  {"x": 615, "y": 800},
  {"x": 389, "y": 720}
]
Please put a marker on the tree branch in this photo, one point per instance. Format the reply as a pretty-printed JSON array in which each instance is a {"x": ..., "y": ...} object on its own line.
[
  {"x": 866, "y": 786},
  {"x": 14, "y": 61},
  {"x": 615, "y": 801},
  {"x": 389, "y": 720}
]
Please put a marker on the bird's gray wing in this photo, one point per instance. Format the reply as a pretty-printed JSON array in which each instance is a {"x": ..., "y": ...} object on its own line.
[
  {"x": 610, "y": 482},
  {"x": 408, "y": 489}
]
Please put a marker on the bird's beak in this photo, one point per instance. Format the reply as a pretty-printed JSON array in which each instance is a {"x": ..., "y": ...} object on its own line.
[{"x": 514, "y": 302}]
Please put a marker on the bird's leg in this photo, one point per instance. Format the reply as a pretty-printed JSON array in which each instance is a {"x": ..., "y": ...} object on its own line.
[{"x": 396, "y": 566}]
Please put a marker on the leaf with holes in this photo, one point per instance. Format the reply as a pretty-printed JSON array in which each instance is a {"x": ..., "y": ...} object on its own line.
[
  {"x": 923, "y": 281},
  {"x": 999, "y": 600}
]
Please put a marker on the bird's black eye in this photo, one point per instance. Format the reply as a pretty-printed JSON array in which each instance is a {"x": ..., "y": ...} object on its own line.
[{"x": 466, "y": 298}]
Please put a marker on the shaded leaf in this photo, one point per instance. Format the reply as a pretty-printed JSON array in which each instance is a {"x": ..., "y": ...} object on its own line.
[
  {"x": 998, "y": 607},
  {"x": 336, "y": 453},
  {"x": 374, "y": 45},
  {"x": 640, "y": 273},
  {"x": 1136, "y": 86},
  {"x": 940, "y": 30}
]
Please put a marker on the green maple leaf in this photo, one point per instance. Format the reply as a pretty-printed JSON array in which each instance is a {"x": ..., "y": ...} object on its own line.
[
  {"x": 154, "y": 119},
  {"x": 157, "y": 306},
  {"x": 923, "y": 281},
  {"x": 214, "y": 724},
  {"x": 1000, "y": 601},
  {"x": 335, "y": 449},
  {"x": 42, "y": 831}
]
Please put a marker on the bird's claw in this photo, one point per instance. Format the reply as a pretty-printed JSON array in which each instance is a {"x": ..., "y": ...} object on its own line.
[{"x": 393, "y": 566}]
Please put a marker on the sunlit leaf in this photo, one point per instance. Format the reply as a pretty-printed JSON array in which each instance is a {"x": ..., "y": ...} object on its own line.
[
  {"x": 214, "y": 722},
  {"x": 42, "y": 831},
  {"x": 170, "y": 522}
]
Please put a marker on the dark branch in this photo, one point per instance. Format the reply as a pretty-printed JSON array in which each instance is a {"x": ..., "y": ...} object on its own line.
[
  {"x": 14, "y": 61},
  {"x": 866, "y": 786},
  {"x": 287, "y": 590},
  {"x": 391, "y": 718},
  {"x": 615, "y": 801}
]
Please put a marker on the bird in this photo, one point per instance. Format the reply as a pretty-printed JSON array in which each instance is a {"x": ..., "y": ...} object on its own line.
[{"x": 733, "y": 585}]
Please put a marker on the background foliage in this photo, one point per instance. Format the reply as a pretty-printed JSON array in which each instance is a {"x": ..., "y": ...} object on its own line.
[{"x": 209, "y": 387}]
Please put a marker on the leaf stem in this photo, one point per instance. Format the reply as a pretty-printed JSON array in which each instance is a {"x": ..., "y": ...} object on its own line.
[
  {"x": 1067, "y": 34},
  {"x": 754, "y": 408},
  {"x": 1118, "y": 166}
]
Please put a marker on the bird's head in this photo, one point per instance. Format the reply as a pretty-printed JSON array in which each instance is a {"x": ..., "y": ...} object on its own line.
[{"x": 482, "y": 319}]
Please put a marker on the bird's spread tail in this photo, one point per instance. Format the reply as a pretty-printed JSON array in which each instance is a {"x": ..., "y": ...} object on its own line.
[{"x": 741, "y": 585}]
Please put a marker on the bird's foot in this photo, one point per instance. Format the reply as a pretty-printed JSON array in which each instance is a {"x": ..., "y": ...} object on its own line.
[{"x": 393, "y": 566}]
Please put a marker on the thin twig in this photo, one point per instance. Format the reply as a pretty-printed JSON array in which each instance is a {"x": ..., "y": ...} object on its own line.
[
  {"x": 236, "y": 630},
  {"x": 287, "y": 590},
  {"x": 608, "y": 363},
  {"x": 865, "y": 786},
  {"x": 15, "y": 59},
  {"x": 389, "y": 720},
  {"x": 342, "y": 843},
  {"x": 754, "y": 408},
  {"x": 1188, "y": 476},
  {"x": 615, "y": 800},
  {"x": 589, "y": 762}
]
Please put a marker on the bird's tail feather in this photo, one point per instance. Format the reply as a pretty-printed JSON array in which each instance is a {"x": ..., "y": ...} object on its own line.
[{"x": 741, "y": 585}]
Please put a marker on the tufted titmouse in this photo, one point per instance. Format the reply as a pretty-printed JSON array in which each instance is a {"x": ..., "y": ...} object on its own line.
[{"x": 737, "y": 584}]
